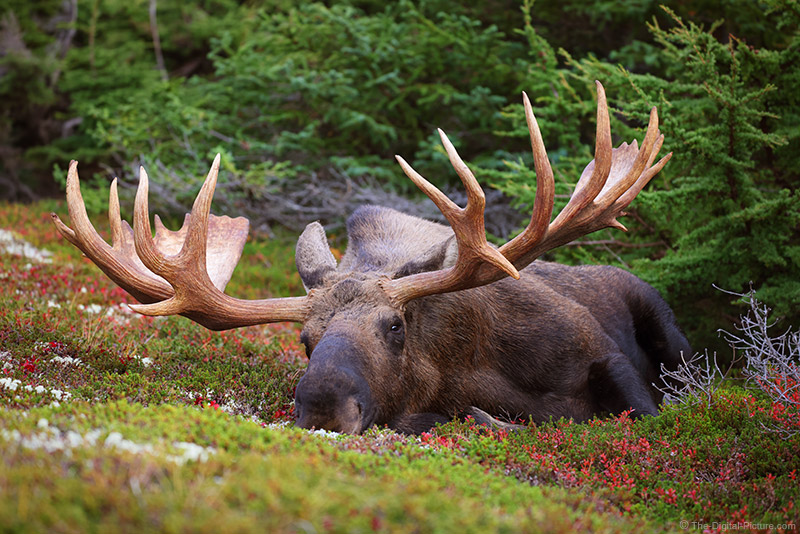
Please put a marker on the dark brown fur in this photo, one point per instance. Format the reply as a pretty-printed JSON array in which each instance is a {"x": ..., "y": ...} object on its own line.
[{"x": 560, "y": 342}]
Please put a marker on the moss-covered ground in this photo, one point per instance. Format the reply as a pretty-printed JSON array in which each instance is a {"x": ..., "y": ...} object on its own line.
[{"x": 112, "y": 422}]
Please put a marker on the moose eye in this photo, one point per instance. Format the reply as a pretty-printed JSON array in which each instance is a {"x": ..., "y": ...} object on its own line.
[
  {"x": 396, "y": 326},
  {"x": 395, "y": 333}
]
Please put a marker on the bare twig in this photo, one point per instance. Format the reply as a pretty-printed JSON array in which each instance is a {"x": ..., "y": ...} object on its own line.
[
  {"x": 93, "y": 32},
  {"x": 615, "y": 243},
  {"x": 65, "y": 36},
  {"x": 772, "y": 361},
  {"x": 157, "y": 40},
  {"x": 694, "y": 380}
]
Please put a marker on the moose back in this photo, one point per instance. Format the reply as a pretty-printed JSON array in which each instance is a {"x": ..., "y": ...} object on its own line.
[{"x": 420, "y": 322}]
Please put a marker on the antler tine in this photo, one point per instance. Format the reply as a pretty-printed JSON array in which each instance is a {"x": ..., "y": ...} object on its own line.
[
  {"x": 476, "y": 200},
  {"x": 628, "y": 196},
  {"x": 142, "y": 232},
  {"x": 545, "y": 184},
  {"x": 84, "y": 236},
  {"x": 545, "y": 190},
  {"x": 63, "y": 229},
  {"x": 151, "y": 257},
  {"x": 467, "y": 223},
  {"x": 196, "y": 238},
  {"x": 441, "y": 200},
  {"x": 643, "y": 160},
  {"x": 589, "y": 186},
  {"x": 114, "y": 219}
]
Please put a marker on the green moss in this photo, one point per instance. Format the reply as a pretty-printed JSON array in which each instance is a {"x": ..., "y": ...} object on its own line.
[{"x": 255, "y": 479}]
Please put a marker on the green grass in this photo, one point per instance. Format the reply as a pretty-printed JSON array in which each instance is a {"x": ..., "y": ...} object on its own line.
[{"x": 114, "y": 422}]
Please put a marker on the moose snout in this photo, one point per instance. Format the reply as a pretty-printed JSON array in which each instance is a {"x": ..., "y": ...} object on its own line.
[{"x": 332, "y": 395}]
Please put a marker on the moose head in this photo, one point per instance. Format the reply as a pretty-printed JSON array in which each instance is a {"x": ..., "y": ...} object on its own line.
[{"x": 420, "y": 321}]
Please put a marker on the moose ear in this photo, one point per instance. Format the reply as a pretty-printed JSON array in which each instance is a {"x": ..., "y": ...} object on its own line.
[
  {"x": 313, "y": 256},
  {"x": 440, "y": 256}
]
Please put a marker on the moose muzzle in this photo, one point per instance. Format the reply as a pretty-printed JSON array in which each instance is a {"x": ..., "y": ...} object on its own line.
[{"x": 333, "y": 394}]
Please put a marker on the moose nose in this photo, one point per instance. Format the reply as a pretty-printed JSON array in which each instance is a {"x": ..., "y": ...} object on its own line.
[
  {"x": 332, "y": 395},
  {"x": 327, "y": 412}
]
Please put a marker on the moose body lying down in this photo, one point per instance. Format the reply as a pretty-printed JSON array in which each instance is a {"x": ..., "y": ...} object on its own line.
[{"x": 420, "y": 322}]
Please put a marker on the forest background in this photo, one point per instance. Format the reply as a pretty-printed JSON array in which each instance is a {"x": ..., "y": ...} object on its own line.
[{"x": 308, "y": 102}]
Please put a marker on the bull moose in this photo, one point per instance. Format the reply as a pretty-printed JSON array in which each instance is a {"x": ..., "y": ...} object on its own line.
[{"x": 420, "y": 322}]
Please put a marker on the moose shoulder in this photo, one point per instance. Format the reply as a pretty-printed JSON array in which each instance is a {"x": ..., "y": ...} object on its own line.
[{"x": 421, "y": 321}]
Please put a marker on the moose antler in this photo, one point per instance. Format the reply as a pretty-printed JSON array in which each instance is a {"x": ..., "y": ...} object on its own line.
[
  {"x": 608, "y": 184},
  {"x": 183, "y": 272}
]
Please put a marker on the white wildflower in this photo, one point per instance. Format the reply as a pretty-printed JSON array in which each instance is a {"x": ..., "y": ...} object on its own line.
[
  {"x": 67, "y": 360},
  {"x": 10, "y": 383},
  {"x": 146, "y": 361},
  {"x": 10, "y": 244},
  {"x": 192, "y": 452}
]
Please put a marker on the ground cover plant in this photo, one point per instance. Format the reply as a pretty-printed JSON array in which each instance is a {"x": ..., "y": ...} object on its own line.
[{"x": 109, "y": 420}]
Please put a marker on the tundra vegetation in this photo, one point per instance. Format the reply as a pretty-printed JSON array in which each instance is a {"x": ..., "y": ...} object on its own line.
[{"x": 114, "y": 420}]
